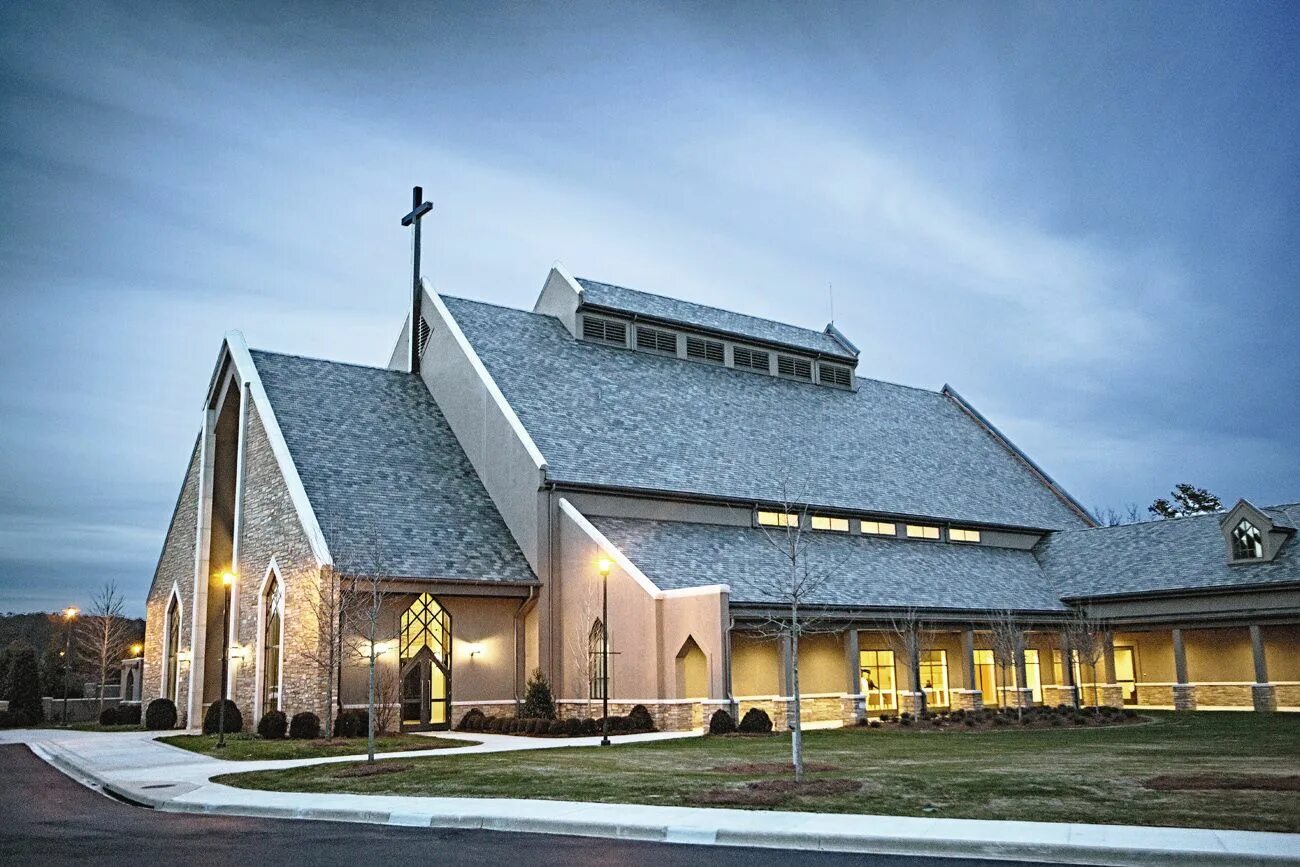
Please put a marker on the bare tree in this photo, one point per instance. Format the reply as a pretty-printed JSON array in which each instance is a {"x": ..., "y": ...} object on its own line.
[
  {"x": 1010, "y": 640},
  {"x": 1086, "y": 636},
  {"x": 1108, "y": 516},
  {"x": 364, "y": 601},
  {"x": 324, "y": 651},
  {"x": 910, "y": 637},
  {"x": 582, "y": 664},
  {"x": 803, "y": 571},
  {"x": 104, "y": 634},
  {"x": 386, "y": 699}
]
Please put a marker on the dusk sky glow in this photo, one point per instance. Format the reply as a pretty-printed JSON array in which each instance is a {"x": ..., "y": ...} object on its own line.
[{"x": 1083, "y": 217}]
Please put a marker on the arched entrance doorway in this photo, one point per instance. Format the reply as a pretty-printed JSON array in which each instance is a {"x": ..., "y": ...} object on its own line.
[{"x": 425, "y": 654}]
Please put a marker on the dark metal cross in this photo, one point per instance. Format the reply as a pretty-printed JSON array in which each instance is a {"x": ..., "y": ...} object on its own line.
[{"x": 419, "y": 208}]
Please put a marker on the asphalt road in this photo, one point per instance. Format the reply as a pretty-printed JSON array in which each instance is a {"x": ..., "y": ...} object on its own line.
[{"x": 47, "y": 818}]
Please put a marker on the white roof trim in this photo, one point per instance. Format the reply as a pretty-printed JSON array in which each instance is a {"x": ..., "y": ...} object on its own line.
[
  {"x": 243, "y": 362},
  {"x": 627, "y": 565},
  {"x": 486, "y": 378},
  {"x": 558, "y": 268}
]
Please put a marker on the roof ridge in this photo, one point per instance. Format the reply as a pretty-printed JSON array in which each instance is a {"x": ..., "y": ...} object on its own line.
[{"x": 698, "y": 304}]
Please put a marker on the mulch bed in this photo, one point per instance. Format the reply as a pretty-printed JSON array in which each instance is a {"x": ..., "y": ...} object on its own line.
[
  {"x": 771, "y": 793},
  {"x": 1202, "y": 782},
  {"x": 369, "y": 770},
  {"x": 772, "y": 768},
  {"x": 1001, "y": 719}
]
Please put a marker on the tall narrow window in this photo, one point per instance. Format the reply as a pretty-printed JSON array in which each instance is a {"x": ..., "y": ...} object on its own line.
[
  {"x": 272, "y": 639},
  {"x": 1247, "y": 544},
  {"x": 599, "y": 661},
  {"x": 171, "y": 668},
  {"x": 934, "y": 677}
]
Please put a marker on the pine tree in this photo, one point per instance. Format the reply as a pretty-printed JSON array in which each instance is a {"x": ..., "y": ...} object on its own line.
[
  {"x": 538, "y": 702},
  {"x": 1188, "y": 500},
  {"x": 25, "y": 685}
]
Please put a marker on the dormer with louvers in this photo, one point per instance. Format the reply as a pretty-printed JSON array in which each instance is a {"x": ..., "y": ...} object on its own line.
[{"x": 614, "y": 316}]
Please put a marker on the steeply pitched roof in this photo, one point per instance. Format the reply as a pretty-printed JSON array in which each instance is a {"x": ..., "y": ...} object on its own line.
[
  {"x": 865, "y": 572},
  {"x": 712, "y": 318},
  {"x": 388, "y": 481},
  {"x": 616, "y": 417},
  {"x": 1179, "y": 554}
]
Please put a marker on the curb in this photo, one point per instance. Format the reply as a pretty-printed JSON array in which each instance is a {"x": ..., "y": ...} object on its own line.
[{"x": 657, "y": 832}]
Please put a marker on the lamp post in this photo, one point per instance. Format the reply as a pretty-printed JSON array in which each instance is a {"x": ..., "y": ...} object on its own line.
[
  {"x": 227, "y": 581},
  {"x": 69, "y": 615},
  {"x": 603, "y": 567}
]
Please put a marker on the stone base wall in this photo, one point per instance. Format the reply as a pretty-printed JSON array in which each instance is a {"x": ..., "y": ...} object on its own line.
[
  {"x": 853, "y": 709},
  {"x": 968, "y": 699},
  {"x": 910, "y": 702},
  {"x": 817, "y": 708},
  {"x": 773, "y": 707},
  {"x": 1056, "y": 694},
  {"x": 1111, "y": 695},
  {"x": 1224, "y": 695},
  {"x": 1288, "y": 694},
  {"x": 669, "y": 716},
  {"x": 1158, "y": 694}
]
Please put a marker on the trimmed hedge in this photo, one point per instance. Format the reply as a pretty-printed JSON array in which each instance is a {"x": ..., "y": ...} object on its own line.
[
  {"x": 128, "y": 714},
  {"x": 476, "y": 721},
  {"x": 354, "y": 723},
  {"x": 160, "y": 715},
  {"x": 756, "y": 722},
  {"x": 212, "y": 720},
  {"x": 273, "y": 725},
  {"x": 721, "y": 723},
  {"x": 304, "y": 726}
]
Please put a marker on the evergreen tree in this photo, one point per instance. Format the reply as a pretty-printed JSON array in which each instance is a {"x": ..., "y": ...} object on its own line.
[
  {"x": 4, "y": 673},
  {"x": 538, "y": 702},
  {"x": 1188, "y": 500},
  {"x": 25, "y": 685}
]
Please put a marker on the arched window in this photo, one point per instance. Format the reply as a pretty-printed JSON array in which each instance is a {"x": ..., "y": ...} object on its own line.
[
  {"x": 599, "y": 661},
  {"x": 172, "y": 664},
  {"x": 272, "y": 641},
  {"x": 1247, "y": 544}
]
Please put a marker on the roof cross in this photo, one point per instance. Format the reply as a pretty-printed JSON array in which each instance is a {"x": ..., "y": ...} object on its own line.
[{"x": 419, "y": 208}]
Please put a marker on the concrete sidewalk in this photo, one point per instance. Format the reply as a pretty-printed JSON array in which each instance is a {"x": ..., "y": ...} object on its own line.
[{"x": 133, "y": 766}]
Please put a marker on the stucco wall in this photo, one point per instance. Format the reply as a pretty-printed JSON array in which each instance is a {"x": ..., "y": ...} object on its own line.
[
  {"x": 822, "y": 664},
  {"x": 755, "y": 665},
  {"x": 175, "y": 568}
]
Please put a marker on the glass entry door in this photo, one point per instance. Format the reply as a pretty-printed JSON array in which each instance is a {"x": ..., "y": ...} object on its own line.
[{"x": 425, "y": 696}]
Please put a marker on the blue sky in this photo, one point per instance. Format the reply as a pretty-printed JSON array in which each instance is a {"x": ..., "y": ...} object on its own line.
[{"x": 1084, "y": 218}]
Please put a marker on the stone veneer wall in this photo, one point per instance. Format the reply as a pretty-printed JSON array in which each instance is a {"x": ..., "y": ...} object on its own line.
[
  {"x": 175, "y": 568},
  {"x": 271, "y": 528}
]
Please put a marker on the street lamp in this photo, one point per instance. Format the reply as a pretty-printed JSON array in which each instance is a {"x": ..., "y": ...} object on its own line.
[
  {"x": 136, "y": 649},
  {"x": 603, "y": 568},
  {"x": 69, "y": 615},
  {"x": 227, "y": 581}
]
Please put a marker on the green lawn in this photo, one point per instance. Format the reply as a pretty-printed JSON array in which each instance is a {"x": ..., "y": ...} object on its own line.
[
  {"x": 249, "y": 747},
  {"x": 1052, "y": 775}
]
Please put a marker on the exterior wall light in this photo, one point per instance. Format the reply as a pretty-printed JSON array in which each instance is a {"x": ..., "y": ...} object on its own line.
[
  {"x": 474, "y": 650},
  {"x": 137, "y": 649}
]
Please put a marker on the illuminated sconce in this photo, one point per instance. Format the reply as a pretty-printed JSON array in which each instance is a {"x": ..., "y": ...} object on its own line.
[
  {"x": 239, "y": 651},
  {"x": 137, "y": 649},
  {"x": 381, "y": 647},
  {"x": 474, "y": 649}
]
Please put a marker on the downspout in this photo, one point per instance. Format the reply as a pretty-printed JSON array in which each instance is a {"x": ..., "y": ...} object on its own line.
[{"x": 525, "y": 608}]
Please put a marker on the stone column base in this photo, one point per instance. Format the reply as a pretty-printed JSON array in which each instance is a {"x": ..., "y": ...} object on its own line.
[
  {"x": 1111, "y": 695},
  {"x": 1264, "y": 696},
  {"x": 853, "y": 709},
  {"x": 969, "y": 699},
  {"x": 1184, "y": 696},
  {"x": 910, "y": 702}
]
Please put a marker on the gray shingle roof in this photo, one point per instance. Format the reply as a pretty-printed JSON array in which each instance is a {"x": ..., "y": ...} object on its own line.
[
  {"x": 386, "y": 477},
  {"x": 712, "y": 318},
  {"x": 866, "y": 572},
  {"x": 1180, "y": 554},
  {"x": 618, "y": 417}
]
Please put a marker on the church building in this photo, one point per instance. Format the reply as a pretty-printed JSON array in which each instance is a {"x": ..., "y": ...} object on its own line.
[{"x": 525, "y": 485}]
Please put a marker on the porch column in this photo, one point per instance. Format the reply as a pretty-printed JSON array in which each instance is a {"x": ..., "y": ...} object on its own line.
[
  {"x": 1184, "y": 692},
  {"x": 1263, "y": 693},
  {"x": 1067, "y": 668},
  {"x": 968, "y": 697},
  {"x": 853, "y": 707},
  {"x": 1110, "y": 691}
]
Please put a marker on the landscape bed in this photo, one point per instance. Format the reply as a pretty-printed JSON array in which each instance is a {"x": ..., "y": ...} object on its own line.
[{"x": 1110, "y": 775}]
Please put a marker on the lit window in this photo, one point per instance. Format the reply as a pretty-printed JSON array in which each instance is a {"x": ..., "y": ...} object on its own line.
[
  {"x": 824, "y": 522},
  {"x": 922, "y": 531},
  {"x": 934, "y": 677},
  {"x": 1247, "y": 544},
  {"x": 879, "y": 528},
  {"x": 599, "y": 678},
  {"x": 778, "y": 519},
  {"x": 271, "y": 644},
  {"x": 957, "y": 534}
]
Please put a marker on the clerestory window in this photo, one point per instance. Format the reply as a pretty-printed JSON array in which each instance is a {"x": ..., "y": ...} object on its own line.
[{"x": 1247, "y": 543}]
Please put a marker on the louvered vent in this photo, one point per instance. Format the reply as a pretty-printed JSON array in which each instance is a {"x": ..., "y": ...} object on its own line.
[
  {"x": 604, "y": 330},
  {"x": 656, "y": 340},
  {"x": 422, "y": 337},
  {"x": 700, "y": 349},
  {"x": 795, "y": 368},
  {"x": 832, "y": 374},
  {"x": 752, "y": 359}
]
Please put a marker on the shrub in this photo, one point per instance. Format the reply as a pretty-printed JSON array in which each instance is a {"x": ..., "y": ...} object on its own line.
[
  {"x": 160, "y": 715},
  {"x": 970, "y": 722},
  {"x": 273, "y": 725},
  {"x": 1129, "y": 713},
  {"x": 1056, "y": 721},
  {"x": 304, "y": 726},
  {"x": 128, "y": 714},
  {"x": 24, "y": 686},
  {"x": 875, "y": 724},
  {"x": 589, "y": 727},
  {"x": 755, "y": 721},
  {"x": 353, "y": 723},
  {"x": 234, "y": 720},
  {"x": 640, "y": 719},
  {"x": 721, "y": 723},
  {"x": 472, "y": 721},
  {"x": 108, "y": 716},
  {"x": 572, "y": 727},
  {"x": 7, "y": 720},
  {"x": 905, "y": 715},
  {"x": 538, "y": 701},
  {"x": 905, "y": 721},
  {"x": 1000, "y": 720}
]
